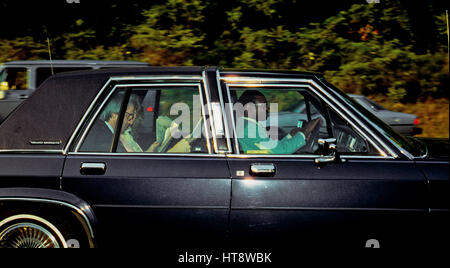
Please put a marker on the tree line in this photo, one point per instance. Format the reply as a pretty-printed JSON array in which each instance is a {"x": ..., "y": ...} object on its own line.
[{"x": 365, "y": 49}]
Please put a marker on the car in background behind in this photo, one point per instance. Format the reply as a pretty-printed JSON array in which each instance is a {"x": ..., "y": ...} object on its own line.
[{"x": 403, "y": 123}]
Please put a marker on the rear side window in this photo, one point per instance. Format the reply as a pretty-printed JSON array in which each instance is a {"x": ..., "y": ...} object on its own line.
[
  {"x": 152, "y": 120},
  {"x": 14, "y": 78}
]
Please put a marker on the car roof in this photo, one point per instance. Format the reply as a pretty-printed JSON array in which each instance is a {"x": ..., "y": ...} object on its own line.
[
  {"x": 188, "y": 70},
  {"x": 71, "y": 62}
]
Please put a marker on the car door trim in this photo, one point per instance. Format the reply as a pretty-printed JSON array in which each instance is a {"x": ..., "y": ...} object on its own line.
[
  {"x": 145, "y": 154},
  {"x": 334, "y": 209}
]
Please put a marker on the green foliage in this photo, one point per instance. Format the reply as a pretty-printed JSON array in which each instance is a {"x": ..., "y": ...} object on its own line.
[
  {"x": 21, "y": 48},
  {"x": 170, "y": 34},
  {"x": 368, "y": 49}
]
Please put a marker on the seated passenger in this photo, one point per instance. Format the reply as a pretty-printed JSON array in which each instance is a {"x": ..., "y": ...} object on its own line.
[
  {"x": 253, "y": 137},
  {"x": 102, "y": 133}
]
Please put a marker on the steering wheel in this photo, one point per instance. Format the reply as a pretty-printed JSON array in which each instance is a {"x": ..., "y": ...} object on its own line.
[{"x": 311, "y": 138}]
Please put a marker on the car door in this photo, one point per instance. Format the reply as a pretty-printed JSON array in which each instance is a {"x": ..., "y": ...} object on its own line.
[
  {"x": 303, "y": 199},
  {"x": 156, "y": 179}
]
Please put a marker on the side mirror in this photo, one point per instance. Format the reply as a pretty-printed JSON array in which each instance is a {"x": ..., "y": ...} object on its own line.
[{"x": 329, "y": 154}]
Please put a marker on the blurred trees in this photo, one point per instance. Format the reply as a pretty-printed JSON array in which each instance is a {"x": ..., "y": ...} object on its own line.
[{"x": 368, "y": 48}]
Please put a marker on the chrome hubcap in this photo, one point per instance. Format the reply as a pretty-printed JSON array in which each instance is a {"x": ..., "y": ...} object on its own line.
[{"x": 27, "y": 235}]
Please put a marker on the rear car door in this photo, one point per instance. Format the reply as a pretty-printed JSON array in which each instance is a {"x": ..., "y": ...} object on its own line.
[
  {"x": 280, "y": 196},
  {"x": 145, "y": 162}
]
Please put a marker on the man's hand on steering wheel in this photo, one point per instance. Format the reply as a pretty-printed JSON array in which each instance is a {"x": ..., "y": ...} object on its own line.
[
  {"x": 311, "y": 127},
  {"x": 308, "y": 129}
]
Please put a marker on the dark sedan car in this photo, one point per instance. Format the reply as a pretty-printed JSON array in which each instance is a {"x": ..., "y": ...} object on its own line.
[{"x": 183, "y": 156}]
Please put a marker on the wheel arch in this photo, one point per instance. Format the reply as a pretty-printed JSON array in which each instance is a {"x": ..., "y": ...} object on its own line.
[{"x": 56, "y": 199}]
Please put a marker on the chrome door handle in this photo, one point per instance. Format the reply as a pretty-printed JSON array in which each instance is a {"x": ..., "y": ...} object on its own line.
[
  {"x": 262, "y": 169},
  {"x": 93, "y": 168},
  {"x": 325, "y": 159}
]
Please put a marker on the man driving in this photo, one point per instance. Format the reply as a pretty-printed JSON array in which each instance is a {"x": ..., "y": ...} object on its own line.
[{"x": 252, "y": 135}]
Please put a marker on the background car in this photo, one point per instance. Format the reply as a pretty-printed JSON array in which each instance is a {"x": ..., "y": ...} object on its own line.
[{"x": 403, "y": 123}]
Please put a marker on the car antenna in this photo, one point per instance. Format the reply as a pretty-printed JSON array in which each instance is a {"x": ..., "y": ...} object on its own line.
[
  {"x": 448, "y": 34},
  {"x": 50, "y": 55}
]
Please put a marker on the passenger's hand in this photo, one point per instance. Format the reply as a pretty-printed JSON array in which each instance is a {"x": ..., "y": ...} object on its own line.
[{"x": 153, "y": 147}]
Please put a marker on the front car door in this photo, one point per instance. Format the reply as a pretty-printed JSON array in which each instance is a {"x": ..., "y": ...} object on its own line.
[
  {"x": 288, "y": 193},
  {"x": 145, "y": 162}
]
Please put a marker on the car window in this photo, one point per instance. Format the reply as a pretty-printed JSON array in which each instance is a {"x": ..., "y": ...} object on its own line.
[
  {"x": 154, "y": 120},
  {"x": 373, "y": 105},
  {"x": 14, "y": 78},
  {"x": 291, "y": 122}
]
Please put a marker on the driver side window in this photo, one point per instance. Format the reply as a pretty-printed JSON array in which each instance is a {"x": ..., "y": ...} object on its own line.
[{"x": 289, "y": 121}]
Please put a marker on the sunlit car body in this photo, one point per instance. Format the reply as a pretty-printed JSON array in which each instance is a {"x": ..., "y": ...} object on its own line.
[{"x": 355, "y": 183}]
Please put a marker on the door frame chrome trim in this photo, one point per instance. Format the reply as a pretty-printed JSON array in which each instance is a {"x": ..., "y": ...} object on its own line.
[
  {"x": 308, "y": 156},
  {"x": 30, "y": 151},
  {"x": 144, "y": 154},
  {"x": 224, "y": 114},
  {"x": 210, "y": 112}
]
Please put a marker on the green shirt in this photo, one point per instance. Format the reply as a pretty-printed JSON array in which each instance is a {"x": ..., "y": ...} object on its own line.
[{"x": 253, "y": 139}]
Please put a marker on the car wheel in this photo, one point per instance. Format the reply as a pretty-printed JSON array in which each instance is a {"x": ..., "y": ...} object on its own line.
[{"x": 30, "y": 231}]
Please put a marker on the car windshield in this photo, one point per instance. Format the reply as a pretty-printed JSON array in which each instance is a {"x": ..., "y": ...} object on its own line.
[{"x": 395, "y": 137}]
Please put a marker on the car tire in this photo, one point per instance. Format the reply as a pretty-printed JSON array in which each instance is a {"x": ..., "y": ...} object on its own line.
[{"x": 33, "y": 231}]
